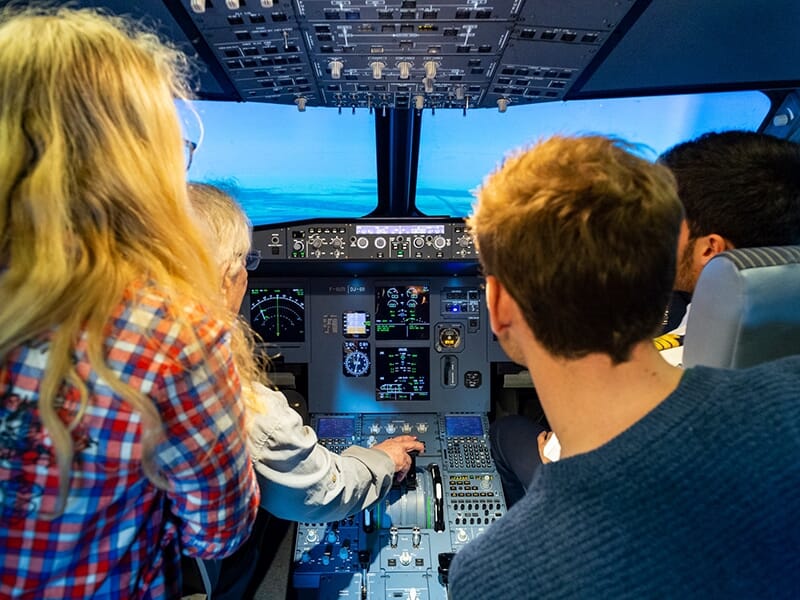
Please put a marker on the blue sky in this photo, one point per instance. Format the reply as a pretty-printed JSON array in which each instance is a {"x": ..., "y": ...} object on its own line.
[{"x": 284, "y": 165}]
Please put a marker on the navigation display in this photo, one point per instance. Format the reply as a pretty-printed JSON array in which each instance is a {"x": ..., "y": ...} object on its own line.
[
  {"x": 278, "y": 315},
  {"x": 402, "y": 374},
  {"x": 402, "y": 312}
]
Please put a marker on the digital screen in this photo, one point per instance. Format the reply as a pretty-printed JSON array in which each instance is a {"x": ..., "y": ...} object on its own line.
[
  {"x": 399, "y": 229},
  {"x": 356, "y": 324},
  {"x": 278, "y": 315},
  {"x": 402, "y": 374},
  {"x": 335, "y": 427},
  {"x": 402, "y": 312},
  {"x": 461, "y": 426}
]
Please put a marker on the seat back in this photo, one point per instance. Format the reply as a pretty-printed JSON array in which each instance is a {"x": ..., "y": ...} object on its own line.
[{"x": 745, "y": 309}]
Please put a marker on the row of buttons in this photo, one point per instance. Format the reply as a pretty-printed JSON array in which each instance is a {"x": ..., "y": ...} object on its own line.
[
  {"x": 483, "y": 506},
  {"x": 474, "y": 521}
]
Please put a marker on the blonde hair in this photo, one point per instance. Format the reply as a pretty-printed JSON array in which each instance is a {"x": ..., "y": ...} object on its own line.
[
  {"x": 93, "y": 195},
  {"x": 231, "y": 235},
  {"x": 583, "y": 234},
  {"x": 226, "y": 222}
]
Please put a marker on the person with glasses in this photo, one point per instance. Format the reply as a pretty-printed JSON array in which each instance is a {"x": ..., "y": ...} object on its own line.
[
  {"x": 300, "y": 479},
  {"x": 121, "y": 422}
]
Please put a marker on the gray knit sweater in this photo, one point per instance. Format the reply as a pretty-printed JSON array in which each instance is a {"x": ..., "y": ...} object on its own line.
[{"x": 699, "y": 499}]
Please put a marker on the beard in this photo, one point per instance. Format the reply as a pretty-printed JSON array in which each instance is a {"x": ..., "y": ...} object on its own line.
[
  {"x": 512, "y": 349},
  {"x": 685, "y": 277}
]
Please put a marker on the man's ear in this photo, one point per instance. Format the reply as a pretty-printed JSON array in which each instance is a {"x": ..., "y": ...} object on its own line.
[
  {"x": 710, "y": 245},
  {"x": 499, "y": 304}
]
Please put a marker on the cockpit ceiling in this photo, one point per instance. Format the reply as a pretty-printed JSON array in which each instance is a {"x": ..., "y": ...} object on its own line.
[
  {"x": 402, "y": 53},
  {"x": 356, "y": 54}
]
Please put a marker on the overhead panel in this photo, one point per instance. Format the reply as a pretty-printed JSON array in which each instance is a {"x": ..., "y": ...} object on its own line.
[
  {"x": 356, "y": 54},
  {"x": 260, "y": 48}
]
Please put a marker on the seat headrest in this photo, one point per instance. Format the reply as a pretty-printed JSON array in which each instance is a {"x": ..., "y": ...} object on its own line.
[{"x": 745, "y": 309}]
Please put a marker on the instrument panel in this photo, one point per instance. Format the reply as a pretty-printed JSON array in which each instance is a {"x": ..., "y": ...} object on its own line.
[
  {"x": 388, "y": 321},
  {"x": 371, "y": 344}
]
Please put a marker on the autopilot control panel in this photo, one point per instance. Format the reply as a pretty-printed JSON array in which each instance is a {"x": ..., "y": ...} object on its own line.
[{"x": 387, "y": 325}]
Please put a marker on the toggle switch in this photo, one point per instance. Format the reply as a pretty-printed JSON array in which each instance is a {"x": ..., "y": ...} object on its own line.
[
  {"x": 405, "y": 69},
  {"x": 377, "y": 69},
  {"x": 336, "y": 68}
]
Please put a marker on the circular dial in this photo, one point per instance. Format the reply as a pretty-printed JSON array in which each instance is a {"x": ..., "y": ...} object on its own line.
[{"x": 356, "y": 363}]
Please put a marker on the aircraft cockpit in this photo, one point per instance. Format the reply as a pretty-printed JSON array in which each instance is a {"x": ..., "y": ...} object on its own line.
[{"x": 353, "y": 134}]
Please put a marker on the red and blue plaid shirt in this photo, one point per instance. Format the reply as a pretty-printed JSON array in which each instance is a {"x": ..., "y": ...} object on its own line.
[{"x": 120, "y": 536}]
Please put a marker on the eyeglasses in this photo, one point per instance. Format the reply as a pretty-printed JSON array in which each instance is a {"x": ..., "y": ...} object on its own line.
[
  {"x": 252, "y": 260},
  {"x": 188, "y": 148}
]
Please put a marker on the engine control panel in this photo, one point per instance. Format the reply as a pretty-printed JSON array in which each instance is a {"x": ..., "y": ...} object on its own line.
[{"x": 402, "y": 546}]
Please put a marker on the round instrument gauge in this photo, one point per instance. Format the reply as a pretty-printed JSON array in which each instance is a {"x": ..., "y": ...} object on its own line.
[{"x": 278, "y": 315}]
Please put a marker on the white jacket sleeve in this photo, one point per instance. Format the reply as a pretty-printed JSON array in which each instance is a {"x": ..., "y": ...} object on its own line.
[{"x": 303, "y": 481}]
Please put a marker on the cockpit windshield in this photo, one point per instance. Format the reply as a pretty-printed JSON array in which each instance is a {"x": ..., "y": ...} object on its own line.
[{"x": 283, "y": 165}]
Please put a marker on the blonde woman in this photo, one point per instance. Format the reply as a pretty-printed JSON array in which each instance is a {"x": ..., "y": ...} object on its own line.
[{"x": 121, "y": 442}]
